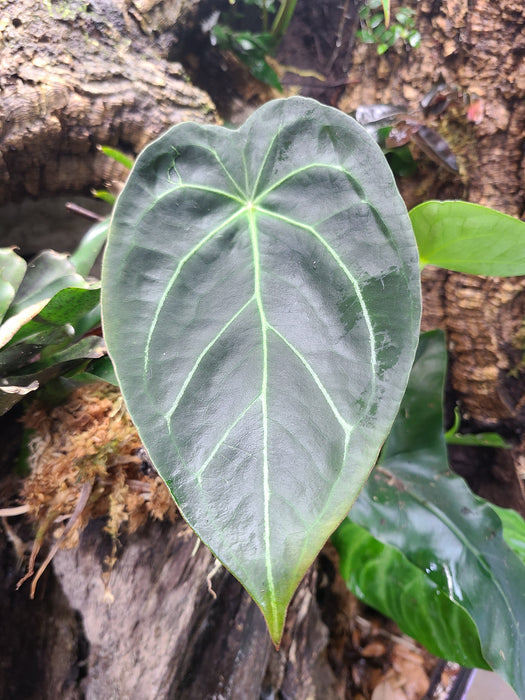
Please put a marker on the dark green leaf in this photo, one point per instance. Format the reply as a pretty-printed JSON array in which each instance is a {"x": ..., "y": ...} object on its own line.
[
  {"x": 469, "y": 238},
  {"x": 101, "y": 369},
  {"x": 251, "y": 289},
  {"x": 383, "y": 578},
  {"x": 14, "y": 388},
  {"x": 47, "y": 274},
  {"x": 89, "y": 348},
  {"x": 252, "y": 50},
  {"x": 68, "y": 306},
  {"x": 414, "y": 503},
  {"x": 57, "y": 324}
]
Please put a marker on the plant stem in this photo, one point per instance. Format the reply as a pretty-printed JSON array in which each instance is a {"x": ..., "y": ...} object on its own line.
[
  {"x": 282, "y": 20},
  {"x": 264, "y": 16}
]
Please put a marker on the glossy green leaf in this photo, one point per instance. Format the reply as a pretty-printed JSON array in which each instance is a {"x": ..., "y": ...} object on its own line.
[
  {"x": 413, "y": 502},
  {"x": 386, "y": 580},
  {"x": 90, "y": 246},
  {"x": 251, "y": 305},
  {"x": 47, "y": 273},
  {"x": 68, "y": 306},
  {"x": 55, "y": 325},
  {"x": 513, "y": 530},
  {"x": 469, "y": 238},
  {"x": 12, "y": 271},
  {"x": 101, "y": 369}
]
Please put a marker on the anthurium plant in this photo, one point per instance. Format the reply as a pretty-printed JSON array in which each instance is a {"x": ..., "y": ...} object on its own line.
[{"x": 261, "y": 305}]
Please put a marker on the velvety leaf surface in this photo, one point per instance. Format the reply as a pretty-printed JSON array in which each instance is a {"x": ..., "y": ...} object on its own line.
[
  {"x": 12, "y": 271},
  {"x": 385, "y": 579},
  {"x": 469, "y": 238},
  {"x": 261, "y": 305},
  {"x": 412, "y": 502}
]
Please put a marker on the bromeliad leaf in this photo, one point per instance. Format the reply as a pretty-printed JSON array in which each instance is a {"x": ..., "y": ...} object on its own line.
[
  {"x": 12, "y": 271},
  {"x": 261, "y": 305}
]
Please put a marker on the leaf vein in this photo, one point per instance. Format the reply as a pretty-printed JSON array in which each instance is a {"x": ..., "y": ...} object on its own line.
[
  {"x": 199, "y": 359},
  {"x": 172, "y": 281},
  {"x": 347, "y": 427}
]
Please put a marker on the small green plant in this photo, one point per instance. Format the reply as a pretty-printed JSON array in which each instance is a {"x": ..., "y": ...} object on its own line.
[
  {"x": 48, "y": 309},
  {"x": 261, "y": 306},
  {"x": 376, "y": 27},
  {"x": 252, "y": 47}
]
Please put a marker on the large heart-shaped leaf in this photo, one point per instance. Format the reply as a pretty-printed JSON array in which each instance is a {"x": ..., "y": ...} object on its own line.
[{"x": 261, "y": 305}]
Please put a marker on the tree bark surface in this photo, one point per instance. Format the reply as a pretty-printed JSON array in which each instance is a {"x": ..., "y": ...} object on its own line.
[
  {"x": 74, "y": 75},
  {"x": 477, "y": 48}
]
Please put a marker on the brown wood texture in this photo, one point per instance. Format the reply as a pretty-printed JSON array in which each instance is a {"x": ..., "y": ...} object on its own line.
[
  {"x": 477, "y": 47},
  {"x": 169, "y": 624},
  {"x": 76, "y": 74}
]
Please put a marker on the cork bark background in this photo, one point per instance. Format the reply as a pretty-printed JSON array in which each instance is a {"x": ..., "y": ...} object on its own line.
[
  {"x": 77, "y": 74},
  {"x": 477, "y": 48}
]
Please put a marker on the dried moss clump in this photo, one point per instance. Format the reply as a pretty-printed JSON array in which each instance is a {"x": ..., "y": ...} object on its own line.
[{"x": 87, "y": 461}]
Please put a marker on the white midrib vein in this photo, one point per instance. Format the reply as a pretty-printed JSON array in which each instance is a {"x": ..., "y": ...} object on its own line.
[
  {"x": 348, "y": 275},
  {"x": 264, "y": 404},
  {"x": 250, "y": 208}
]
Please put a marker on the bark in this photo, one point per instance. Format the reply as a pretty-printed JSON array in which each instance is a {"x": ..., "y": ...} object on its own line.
[
  {"x": 477, "y": 47},
  {"x": 168, "y": 625},
  {"x": 77, "y": 74}
]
